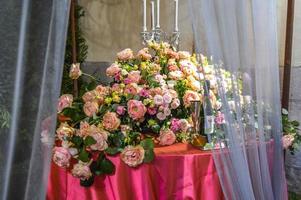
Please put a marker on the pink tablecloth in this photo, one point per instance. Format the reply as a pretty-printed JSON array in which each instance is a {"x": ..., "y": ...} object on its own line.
[{"x": 178, "y": 172}]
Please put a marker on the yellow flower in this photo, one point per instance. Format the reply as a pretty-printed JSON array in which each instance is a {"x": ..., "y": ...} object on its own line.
[
  {"x": 116, "y": 98},
  {"x": 108, "y": 100}
]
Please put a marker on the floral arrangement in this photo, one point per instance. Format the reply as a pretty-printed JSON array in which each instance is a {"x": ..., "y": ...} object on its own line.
[
  {"x": 291, "y": 138},
  {"x": 147, "y": 104}
]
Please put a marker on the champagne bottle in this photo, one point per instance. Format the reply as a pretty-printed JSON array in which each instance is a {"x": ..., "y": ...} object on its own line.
[{"x": 208, "y": 112}]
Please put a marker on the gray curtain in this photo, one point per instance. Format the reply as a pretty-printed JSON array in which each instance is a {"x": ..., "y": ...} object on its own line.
[{"x": 32, "y": 46}]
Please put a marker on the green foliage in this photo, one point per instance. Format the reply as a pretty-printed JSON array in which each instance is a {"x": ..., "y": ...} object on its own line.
[
  {"x": 291, "y": 127},
  {"x": 4, "y": 118},
  {"x": 148, "y": 146},
  {"x": 82, "y": 52},
  {"x": 102, "y": 166}
]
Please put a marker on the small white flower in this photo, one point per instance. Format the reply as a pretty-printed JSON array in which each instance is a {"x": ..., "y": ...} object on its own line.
[
  {"x": 284, "y": 111},
  {"x": 158, "y": 99}
]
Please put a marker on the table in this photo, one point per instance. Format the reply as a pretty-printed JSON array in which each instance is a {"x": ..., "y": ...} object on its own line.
[{"x": 179, "y": 172}]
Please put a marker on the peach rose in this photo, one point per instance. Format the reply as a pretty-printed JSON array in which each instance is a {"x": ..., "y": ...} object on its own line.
[
  {"x": 132, "y": 156},
  {"x": 134, "y": 76},
  {"x": 64, "y": 131},
  {"x": 100, "y": 136},
  {"x": 184, "y": 54},
  {"x": 136, "y": 109},
  {"x": 131, "y": 88},
  {"x": 143, "y": 54},
  {"x": 113, "y": 70},
  {"x": 61, "y": 156},
  {"x": 83, "y": 129},
  {"x": 90, "y": 108},
  {"x": 102, "y": 90},
  {"x": 89, "y": 96},
  {"x": 75, "y": 71},
  {"x": 155, "y": 91},
  {"x": 175, "y": 75},
  {"x": 110, "y": 121},
  {"x": 190, "y": 96},
  {"x": 65, "y": 101},
  {"x": 287, "y": 141},
  {"x": 167, "y": 137},
  {"x": 172, "y": 54},
  {"x": 126, "y": 54},
  {"x": 81, "y": 171}
]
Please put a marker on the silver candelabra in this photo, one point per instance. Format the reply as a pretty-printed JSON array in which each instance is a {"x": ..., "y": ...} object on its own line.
[{"x": 157, "y": 35}]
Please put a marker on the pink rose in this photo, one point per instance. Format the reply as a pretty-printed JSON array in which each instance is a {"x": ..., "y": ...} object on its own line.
[
  {"x": 110, "y": 121},
  {"x": 64, "y": 131},
  {"x": 64, "y": 101},
  {"x": 167, "y": 137},
  {"x": 184, "y": 125},
  {"x": 287, "y": 141},
  {"x": 175, "y": 103},
  {"x": 90, "y": 108},
  {"x": 158, "y": 99},
  {"x": 82, "y": 171},
  {"x": 136, "y": 109},
  {"x": 167, "y": 111},
  {"x": 126, "y": 54},
  {"x": 144, "y": 93},
  {"x": 167, "y": 98},
  {"x": 116, "y": 88},
  {"x": 75, "y": 71},
  {"x": 113, "y": 70},
  {"x": 219, "y": 118},
  {"x": 143, "y": 54},
  {"x": 132, "y": 156},
  {"x": 190, "y": 96},
  {"x": 120, "y": 110},
  {"x": 152, "y": 110},
  {"x": 100, "y": 136},
  {"x": 134, "y": 76},
  {"x": 61, "y": 156},
  {"x": 175, "y": 125},
  {"x": 161, "y": 116}
]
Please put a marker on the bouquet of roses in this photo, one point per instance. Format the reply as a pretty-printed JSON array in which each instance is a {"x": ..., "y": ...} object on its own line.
[{"x": 148, "y": 102}]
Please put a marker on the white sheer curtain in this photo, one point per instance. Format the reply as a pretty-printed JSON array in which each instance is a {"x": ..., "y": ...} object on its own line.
[
  {"x": 32, "y": 46},
  {"x": 241, "y": 37}
]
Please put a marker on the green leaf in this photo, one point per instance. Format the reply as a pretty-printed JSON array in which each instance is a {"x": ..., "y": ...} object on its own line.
[
  {"x": 106, "y": 166},
  {"x": 83, "y": 156},
  {"x": 74, "y": 113},
  {"x": 147, "y": 144},
  {"x": 77, "y": 141},
  {"x": 295, "y": 123},
  {"x": 89, "y": 141},
  {"x": 88, "y": 182},
  {"x": 149, "y": 156},
  {"x": 113, "y": 150}
]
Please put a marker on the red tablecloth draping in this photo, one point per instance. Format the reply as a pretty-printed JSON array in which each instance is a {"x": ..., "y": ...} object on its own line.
[{"x": 179, "y": 172}]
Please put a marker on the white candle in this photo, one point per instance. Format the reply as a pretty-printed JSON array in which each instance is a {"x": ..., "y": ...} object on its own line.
[
  {"x": 153, "y": 15},
  {"x": 158, "y": 14},
  {"x": 144, "y": 16},
  {"x": 176, "y": 15}
]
